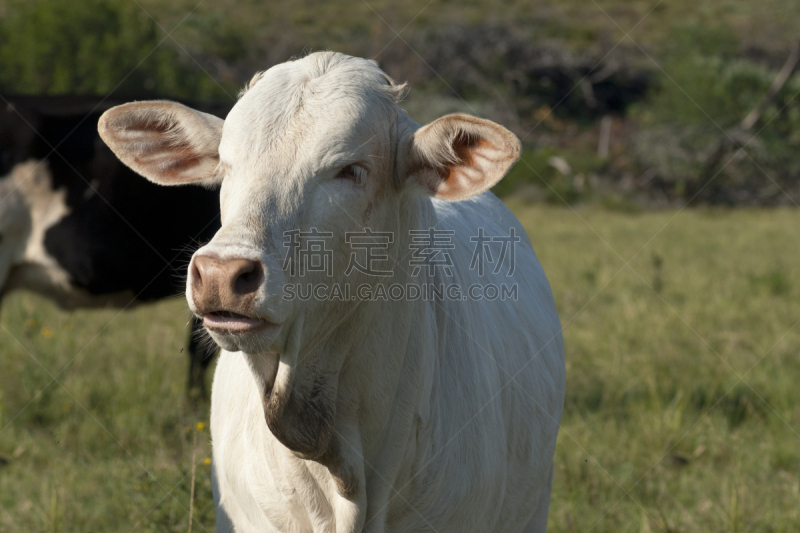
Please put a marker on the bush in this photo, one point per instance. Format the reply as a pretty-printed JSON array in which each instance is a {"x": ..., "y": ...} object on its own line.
[
  {"x": 94, "y": 47},
  {"x": 502, "y": 62},
  {"x": 702, "y": 105}
]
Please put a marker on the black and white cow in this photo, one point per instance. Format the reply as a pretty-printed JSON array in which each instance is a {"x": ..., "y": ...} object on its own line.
[{"x": 81, "y": 228}]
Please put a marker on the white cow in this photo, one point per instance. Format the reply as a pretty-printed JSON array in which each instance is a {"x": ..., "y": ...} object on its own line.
[{"x": 360, "y": 413}]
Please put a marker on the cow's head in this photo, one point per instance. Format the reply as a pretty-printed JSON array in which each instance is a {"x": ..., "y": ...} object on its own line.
[{"x": 317, "y": 144}]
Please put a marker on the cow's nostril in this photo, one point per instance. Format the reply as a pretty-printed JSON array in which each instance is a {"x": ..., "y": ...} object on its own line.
[
  {"x": 199, "y": 268},
  {"x": 248, "y": 277}
]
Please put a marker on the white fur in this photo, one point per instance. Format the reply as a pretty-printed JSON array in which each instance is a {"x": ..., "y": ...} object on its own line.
[{"x": 443, "y": 415}]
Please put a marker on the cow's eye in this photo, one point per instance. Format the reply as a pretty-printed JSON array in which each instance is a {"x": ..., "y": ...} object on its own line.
[{"x": 352, "y": 172}]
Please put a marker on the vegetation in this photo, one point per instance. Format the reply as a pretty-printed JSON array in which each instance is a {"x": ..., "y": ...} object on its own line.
[
  {"x": 675, "y": 76},
  {"x": 658, "y": 434},
  {"x": 94, "y": 47},
  {"x": 95, "y": 434}
]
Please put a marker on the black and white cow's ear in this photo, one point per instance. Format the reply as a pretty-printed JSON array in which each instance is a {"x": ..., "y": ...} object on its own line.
[
  {"x": 457, "y": 156},
  {"x": 166, "y": 142}
]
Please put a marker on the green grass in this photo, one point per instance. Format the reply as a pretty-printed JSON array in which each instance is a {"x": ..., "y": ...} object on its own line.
[
  {"x": 109, "y": 444},
  {"x": 658, "y": 432}
]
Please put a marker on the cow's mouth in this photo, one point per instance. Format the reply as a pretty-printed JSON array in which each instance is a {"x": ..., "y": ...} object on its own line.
[{"x": 230, "y": 322}]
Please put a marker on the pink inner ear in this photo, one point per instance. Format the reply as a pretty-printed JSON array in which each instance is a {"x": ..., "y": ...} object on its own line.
[
  {"x": 466, "y": 177},
  {"x": 465, "y": 147},
  {"x": 172, "y": 157},
  {"x": 180, "y": 164},
  {"x": 171, "y": 160}
]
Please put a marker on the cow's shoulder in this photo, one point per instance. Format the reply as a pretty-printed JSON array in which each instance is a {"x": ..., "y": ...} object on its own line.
[{"x": 483, "y": 214}]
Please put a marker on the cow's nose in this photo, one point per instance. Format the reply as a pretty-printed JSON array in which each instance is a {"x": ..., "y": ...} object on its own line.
[{"x": 237, "y": 276}]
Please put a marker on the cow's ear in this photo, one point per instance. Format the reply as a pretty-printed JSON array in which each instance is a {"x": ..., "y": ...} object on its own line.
[
  {"x": 166, "y": 142},
  {"x": 457, "y": 156}
]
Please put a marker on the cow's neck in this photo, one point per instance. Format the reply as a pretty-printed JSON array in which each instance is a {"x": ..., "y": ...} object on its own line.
[{"x": 342, "y": 373}]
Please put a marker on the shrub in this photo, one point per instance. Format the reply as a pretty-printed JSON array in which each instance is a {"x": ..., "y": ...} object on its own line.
[
  {"x": 699, "y": 106},
  {"x": 93, "y": 47}
]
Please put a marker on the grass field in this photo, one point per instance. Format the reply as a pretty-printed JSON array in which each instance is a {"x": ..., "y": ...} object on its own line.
[{"x": 682, "y": 409}]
